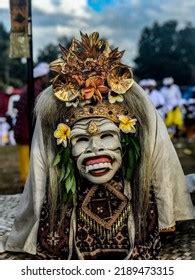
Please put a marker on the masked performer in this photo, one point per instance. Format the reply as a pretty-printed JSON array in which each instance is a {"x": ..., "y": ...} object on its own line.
[{"x": 104, "y": 176}]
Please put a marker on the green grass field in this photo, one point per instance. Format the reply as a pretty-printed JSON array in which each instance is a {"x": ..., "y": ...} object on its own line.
[{"x": 9, "y": 176}]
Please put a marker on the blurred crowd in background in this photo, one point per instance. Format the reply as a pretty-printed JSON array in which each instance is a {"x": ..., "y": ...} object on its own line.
[
  {"x": 14, "y": 120},
  {"x": 175, "y": 106},
  {"x": 14, "y": 108}
]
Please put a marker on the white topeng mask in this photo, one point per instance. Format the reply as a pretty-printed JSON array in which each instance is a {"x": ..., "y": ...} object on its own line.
[{"x": 96, "y": 148}]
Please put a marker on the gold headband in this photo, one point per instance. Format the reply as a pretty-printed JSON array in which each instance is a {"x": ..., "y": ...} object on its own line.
[{"x": 104, "y": 110}]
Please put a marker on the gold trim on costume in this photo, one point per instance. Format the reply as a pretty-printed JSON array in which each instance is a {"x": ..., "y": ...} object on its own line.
[
  {"x": 168, "y": 229},
  {"x": 106, "y": 229}
]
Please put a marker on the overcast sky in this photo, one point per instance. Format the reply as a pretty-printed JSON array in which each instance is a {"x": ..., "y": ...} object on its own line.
[{"x": 120, "y": 21}]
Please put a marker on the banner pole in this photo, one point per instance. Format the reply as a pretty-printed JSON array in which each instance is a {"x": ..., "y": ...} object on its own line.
[{"x": 30, "y": 80}]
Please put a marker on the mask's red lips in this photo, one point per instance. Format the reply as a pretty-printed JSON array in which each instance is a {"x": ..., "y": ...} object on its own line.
[
  {"x": 98, "y": 173},
  {"x": 97, "y": 159}
]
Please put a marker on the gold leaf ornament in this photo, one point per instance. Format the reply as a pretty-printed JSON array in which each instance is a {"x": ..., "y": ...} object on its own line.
[
  {"x": 94, "y": 38},
  {"x": 120, "y": 79},
  {"x": 107, "y": 50},
  {"x": 56, "y": 65}
]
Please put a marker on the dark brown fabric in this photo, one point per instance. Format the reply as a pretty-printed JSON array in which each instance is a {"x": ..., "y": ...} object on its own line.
[
  {"x": 4, "y": 100},
  {"x": 53, "y": 243},
  {"x": 150, "y": 249}
]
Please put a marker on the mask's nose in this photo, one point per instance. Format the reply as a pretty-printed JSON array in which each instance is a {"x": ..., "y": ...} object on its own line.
[{"x": 94, "y": 145}]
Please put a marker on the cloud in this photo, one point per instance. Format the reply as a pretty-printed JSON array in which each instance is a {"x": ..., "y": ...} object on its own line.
[
  {"x": 182, "y": 11},
  {"x": 67, "y": 7},
  {"x": 135, "y": 3},
  {"x": 4, "y": 4}
]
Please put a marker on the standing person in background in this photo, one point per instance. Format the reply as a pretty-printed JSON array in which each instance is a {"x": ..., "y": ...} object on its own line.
[
  {"x": 156, "y": 97},
  {"x": 144, "y": 84},
  {"x": 189, "y": 119},
  {"x": 21, "y": 128},
  {"x": 4, "y": 124},
  {"x": 173, "y": 102}
]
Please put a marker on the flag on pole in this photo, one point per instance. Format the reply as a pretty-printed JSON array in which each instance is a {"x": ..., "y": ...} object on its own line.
[{"x": 19, "y": 41}]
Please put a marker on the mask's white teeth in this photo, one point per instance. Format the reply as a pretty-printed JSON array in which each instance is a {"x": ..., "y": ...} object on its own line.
[
  {"x": 98, "y": 166},
  {"x": 91, "y": 167}
]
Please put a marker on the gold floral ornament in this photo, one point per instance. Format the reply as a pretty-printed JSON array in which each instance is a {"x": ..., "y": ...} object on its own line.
[
  {"x": 120, "y": 79},
  {"x": 127, "y": 125},
  {"x": 62, "y": 133},
  {"x": 92, "y": 128},
  {"x": 94, "y": 88},
  {"x": 65, "y": 90}
]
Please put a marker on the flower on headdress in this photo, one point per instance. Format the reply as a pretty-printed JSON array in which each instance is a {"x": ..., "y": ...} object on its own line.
[
  {"x": 73, "y": 103},
  {"x": 120, "y": 79},
  {"x": 62, "y": 133},
  {"x": 114, "y": 97},
  {"x": 65, "y": 90},
  {"x": 94, "y": 87},
  {"x": 127, "y": 125},
  {"x": 84, "y": 102}
]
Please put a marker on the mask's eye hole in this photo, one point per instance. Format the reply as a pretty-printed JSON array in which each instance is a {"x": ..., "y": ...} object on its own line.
[
  {"x": 106, "y": 135},
  {"x": 82, "y": 139}
]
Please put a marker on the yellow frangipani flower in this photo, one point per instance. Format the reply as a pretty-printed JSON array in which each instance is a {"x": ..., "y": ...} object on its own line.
[
  {"x": 62, "y": 133},
  {"x": 127, "y": 125}
]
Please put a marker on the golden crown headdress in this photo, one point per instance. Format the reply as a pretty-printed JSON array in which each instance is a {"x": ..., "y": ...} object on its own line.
[
  {"x": 91, "y": 80},
  {"x": 90, "y": 71}
]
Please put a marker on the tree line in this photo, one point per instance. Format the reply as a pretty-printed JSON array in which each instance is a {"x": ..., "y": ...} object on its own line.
[{"x": 167, "y": 50}]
